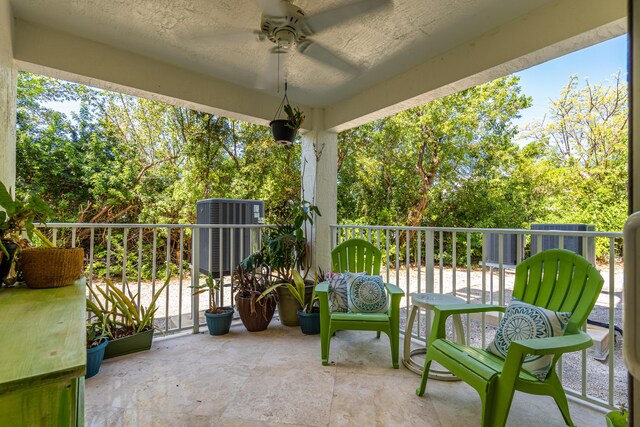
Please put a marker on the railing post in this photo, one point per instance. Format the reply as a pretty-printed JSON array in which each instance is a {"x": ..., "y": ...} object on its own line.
[
  {"x": 195, "y": 276},
  {"x": 429, "y": 256}
]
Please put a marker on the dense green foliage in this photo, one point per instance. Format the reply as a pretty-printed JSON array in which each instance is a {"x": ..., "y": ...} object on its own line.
[{"x": 457, "y": 161}]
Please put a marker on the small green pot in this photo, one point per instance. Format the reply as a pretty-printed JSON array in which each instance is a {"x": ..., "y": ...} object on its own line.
[
  {"x": 129, "y": 344},
  {"x": 219, "y": 323}
]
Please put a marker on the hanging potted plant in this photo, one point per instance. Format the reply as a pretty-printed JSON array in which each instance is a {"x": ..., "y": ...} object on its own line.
[
  {"x": 218, "y": 318},
  {"x": 284, "y": 131}
]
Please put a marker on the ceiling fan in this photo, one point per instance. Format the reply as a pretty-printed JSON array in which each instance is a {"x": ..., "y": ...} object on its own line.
[{"x": 288, "y": 27}]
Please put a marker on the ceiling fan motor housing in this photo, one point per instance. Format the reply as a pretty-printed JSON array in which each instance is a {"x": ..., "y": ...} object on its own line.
[{"x": 287, "y": 29}]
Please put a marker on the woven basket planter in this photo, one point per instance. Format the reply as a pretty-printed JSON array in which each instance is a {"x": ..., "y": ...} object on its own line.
[{"x": 51, "y": 267}]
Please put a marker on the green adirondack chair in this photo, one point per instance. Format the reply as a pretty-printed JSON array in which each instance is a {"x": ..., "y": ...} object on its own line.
[
  {"x": 357, "y": 256},
  {"x": 555, "y": 279}
]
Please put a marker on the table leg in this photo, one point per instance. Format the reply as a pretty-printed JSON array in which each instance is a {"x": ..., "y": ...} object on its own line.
[
  {"x": 408, "y": 331},
  {"x": 459, "y": 330}
]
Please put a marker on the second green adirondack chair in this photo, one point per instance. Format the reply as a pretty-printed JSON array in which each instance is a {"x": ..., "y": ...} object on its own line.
[
  {"x": 357, "y": 256},
  {"x": 557, "y": 280}
]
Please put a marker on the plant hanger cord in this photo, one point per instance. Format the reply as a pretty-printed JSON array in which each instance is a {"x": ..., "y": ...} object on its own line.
[{"x": 282, "y": 103}]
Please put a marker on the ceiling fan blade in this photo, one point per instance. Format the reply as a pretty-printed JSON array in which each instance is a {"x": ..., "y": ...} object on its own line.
[
  {"x": 325, "y": 56},
  {"x": 328, "y": 18},
  {"x": 237, "y": 36},
  {"x": 273, "y": 7}
]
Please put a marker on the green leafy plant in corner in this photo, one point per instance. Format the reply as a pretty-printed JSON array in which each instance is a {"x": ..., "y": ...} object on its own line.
[
  {"x": 285, "y": 245},
  {"x": 18, "y": 215},
  {"x": 125, "y": 316},
  {"x": 294, "y": 116}
]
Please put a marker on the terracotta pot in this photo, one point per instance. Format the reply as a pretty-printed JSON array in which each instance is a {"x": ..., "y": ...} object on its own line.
[{"x": 260, "y": 318}]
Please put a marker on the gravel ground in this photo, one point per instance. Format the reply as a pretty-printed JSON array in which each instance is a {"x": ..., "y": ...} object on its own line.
[{"x": 176, "y": 302}]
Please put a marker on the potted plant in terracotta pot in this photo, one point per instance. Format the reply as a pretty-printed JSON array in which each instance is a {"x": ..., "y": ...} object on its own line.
[
  {"x": 251, "y": 278},
  {"x": 130, "y": 323},
  {"x": 285, "y": 251},
  {"x": 218, "y": 318}
]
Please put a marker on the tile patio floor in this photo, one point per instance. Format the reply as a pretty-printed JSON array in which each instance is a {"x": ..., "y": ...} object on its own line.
[{"x": 275, "y": 378}]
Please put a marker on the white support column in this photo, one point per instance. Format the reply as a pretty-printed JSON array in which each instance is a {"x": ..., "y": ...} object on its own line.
[
  {"x": 320, "y": 186},
  {"x": 7, "y": 98}
]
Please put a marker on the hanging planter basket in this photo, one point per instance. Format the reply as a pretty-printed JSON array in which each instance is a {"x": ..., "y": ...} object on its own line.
[
  {"x": 285, "y": 131},
  {"x": 282, "y": 131}
]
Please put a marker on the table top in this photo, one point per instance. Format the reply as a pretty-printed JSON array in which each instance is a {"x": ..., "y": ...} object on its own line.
[
  {"x": 42, "y": 335},
  {"x": 428, "y": 300}
]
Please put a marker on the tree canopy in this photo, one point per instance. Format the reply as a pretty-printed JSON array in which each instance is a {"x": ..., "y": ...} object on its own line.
[{"x": 457, "y": 161}]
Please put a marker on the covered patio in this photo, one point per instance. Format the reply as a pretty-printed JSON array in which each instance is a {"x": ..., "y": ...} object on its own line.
[
  {"x": 275, "y": 377},
  {"x": 370, "y": 61}
]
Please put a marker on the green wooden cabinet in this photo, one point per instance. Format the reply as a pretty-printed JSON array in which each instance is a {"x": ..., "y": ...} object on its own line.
[{"x": 43, "y": 356}]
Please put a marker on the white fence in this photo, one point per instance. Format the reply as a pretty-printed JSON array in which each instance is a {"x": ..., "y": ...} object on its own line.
[{"x": 452, "y": 261}]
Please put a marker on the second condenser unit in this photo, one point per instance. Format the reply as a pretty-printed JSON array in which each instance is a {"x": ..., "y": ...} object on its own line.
[{"x": 220, "y": 247}]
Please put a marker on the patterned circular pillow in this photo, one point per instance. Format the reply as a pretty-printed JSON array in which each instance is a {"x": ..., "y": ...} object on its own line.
[
  {"x": 367, "y": 294},
  {"x": 524, "y": 321}
]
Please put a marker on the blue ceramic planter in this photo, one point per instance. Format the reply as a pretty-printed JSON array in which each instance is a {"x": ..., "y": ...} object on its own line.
[
  {"x": 219, "y": 324},
  {"x": 94, "y": 358},
  {"x": 309, "y": 323}
]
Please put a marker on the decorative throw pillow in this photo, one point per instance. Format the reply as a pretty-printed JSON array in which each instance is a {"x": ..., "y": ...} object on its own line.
[
  {"x": 338, "y": 298},
  {"x": 366, "y": 294},
  {"x": 523, "y": 321}
]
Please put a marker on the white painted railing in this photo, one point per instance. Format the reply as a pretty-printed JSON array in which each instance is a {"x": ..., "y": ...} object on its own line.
[
  {"x": 129, "y": 253},
  {"x": 418, "y": 259}
]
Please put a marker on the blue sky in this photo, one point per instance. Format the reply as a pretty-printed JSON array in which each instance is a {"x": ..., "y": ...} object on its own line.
[{"x": 545, "y": 81}]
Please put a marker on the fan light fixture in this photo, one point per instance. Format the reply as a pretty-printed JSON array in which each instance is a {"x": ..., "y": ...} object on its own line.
[{"x": 286, "y": 37}]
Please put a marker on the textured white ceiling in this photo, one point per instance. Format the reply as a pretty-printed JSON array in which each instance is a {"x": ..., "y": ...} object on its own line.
[{"x": 214, "y": 37}]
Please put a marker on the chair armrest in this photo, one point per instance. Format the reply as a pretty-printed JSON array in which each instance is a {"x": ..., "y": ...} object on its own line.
[
  {"x": 322, "y": 287},
  {"x": 553, "y": 345},
  {"x": 393, "y": 289},
  {"x": 448, "y": 310},
  {"x": 441, "y": 312}
]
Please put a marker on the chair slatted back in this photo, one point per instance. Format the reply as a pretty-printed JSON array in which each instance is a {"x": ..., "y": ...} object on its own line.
[
  {"x": 559, "y": 280},
  {"x": 356, "y": 256}
]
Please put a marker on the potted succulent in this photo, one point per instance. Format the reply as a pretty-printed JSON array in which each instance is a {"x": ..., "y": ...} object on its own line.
[
  {"x": 97, "y": 341},
  {"x": 130, "y": 324},
  {"x": 251, "y": 279},
  {"x": 285, "y": 251},
  {"x": 284, "y": 131},
  {"x": 218, "y": 318}
]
